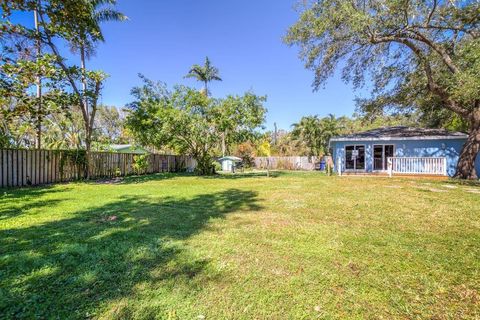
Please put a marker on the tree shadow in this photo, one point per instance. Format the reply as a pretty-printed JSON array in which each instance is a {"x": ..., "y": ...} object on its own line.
[
  {"x": 252, "y": 174},
  {"x": 137, "y": 179},
  {"x": 68, "y": 268},
  {"x": 10, "y": 208},
  {"x": 170, "y": 175},
  {"x": 461, "y": 182},
  {"x": 34, "y": 191}
]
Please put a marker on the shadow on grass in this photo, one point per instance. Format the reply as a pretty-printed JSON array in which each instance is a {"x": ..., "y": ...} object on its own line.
[
  {"x": 12, "y": 204},
  {"x": 252, "y": 174},
  {"x": 460, "y": 182},
  {"x": 155, "y": 177},
  {"x": 68, "y": 268},
  {"x": 170, "y": 175}
]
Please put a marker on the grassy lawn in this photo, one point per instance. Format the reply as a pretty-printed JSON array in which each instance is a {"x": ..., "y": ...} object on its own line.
[{"x": 293, "y": 246}]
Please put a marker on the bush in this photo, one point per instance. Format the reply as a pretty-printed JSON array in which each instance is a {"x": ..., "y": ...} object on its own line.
[
  {"x": 140, "y": 163},
  {"x": 217, "y": 166}
]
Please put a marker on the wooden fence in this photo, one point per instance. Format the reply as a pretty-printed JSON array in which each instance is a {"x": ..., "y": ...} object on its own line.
[
  {"x": 286, "y": 163},
  {"x": 36, "y": 167}
]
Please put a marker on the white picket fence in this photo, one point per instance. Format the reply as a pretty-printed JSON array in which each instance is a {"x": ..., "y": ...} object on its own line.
[{"x": 417, "y": 165}]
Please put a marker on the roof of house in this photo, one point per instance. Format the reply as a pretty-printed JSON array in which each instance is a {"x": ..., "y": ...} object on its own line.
[
  {"x": 231, "y": 158},
  {"x": 127, "y": 148},
  {"x": 401, "y": 133}
]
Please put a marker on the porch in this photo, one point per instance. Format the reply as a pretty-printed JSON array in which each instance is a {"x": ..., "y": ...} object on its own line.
[{"x": 398, "y": 166}]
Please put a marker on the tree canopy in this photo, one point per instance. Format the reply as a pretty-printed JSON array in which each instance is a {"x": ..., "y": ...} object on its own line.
[
  {"x": 189, "y": 122},
  {"x": 33, "y": 56},
  {"x": 316, "y": 133}
]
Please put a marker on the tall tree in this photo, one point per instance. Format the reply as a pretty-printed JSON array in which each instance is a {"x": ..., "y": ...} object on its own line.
[
  {"x": 308, "y": 130},
  {"x": 38, "y": 78},
  {"x": 74, "y": 22},
  {"x": 84, "y": 41},
  {"x": 316, "y": 133},
  {"x": 238, "y": 118},
  {"x": 206, "y": 74},
  {"x": 419, "y": 55}
]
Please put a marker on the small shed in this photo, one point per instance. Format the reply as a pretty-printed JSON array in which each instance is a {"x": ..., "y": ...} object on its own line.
[{"x": 229, "y": 163}]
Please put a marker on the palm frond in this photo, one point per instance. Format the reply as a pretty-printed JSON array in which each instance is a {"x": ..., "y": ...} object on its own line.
[{"x": 108, "y": 14}]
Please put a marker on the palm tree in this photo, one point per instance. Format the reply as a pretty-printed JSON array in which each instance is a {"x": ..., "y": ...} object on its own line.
[
  {"x": 88, "y": 35},
  {"x": 316, "y": 133},
  {"x": 308, "y": 130},
  {"x": 206, "y": 73},
  {"x": 101, "y": 11},
  {"x": 329, "y": 127}
]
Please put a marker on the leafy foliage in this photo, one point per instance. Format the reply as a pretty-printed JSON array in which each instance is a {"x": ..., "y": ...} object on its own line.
[
  {"x": 75, "y": 88},
  {"x": 206, "y": 73},
  {"x": 190, "y": 122},
  {"x": 316, "y": 133},
  {"x": 140, "y": 163}
]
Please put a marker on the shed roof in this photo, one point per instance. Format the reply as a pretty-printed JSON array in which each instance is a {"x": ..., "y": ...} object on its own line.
[
  {"x": 401, "y": 133},
  {"x": 231, "y": 158}
]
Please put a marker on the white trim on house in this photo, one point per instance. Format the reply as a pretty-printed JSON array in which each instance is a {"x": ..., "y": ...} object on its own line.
[{"x": 347, "y": 139}]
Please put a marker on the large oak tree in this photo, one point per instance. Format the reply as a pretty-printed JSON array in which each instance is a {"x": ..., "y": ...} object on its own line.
[{"x": 418, "y": 55}]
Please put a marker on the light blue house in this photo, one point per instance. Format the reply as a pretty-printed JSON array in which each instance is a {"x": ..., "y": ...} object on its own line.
[{"x": 401, "y": 150}]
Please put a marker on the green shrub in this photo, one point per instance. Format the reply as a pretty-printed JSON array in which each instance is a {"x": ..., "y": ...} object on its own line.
[
  {"x": 217, "y": 166},
  {"x": 140, "y": 163}
]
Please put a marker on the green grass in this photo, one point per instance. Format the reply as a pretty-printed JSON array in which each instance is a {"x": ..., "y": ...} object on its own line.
[{"x": 293, "y": 246}]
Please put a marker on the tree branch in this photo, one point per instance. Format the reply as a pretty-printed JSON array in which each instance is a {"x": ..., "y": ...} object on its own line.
[
  {"x": 432, "y": 85},
  {"x": 431, "y": 13},
  {"x": 443, "y": 54},
  {"x": 60, "y": 62}
]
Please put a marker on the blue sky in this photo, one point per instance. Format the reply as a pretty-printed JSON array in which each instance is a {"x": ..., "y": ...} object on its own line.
[{"x": 163, "y": 38}]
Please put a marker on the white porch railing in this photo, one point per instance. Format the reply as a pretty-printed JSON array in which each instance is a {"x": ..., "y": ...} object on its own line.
[{"x": 417, "y": 165}]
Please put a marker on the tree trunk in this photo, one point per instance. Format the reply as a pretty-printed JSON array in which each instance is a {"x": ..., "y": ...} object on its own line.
[
  {"x": 84, "y": 79},
  {"x": 223, "y": 143},
  {"x": 88, "y": 144},
  {"x": 88, "y": 129},
  {"x": 38, "y": 80},
  {"x": 470, "y": 150}
]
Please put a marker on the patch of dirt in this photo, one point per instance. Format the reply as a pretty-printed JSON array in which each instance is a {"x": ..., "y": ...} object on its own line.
[
  {"x": 431, "y": 189},
  {"x": 467, "y": 294},
  {"x": 354, "y": 268},
  {"x": 449, "y": 186},
  {"x": 473, "y": 191},
  {"x": 110, "y": 181}
]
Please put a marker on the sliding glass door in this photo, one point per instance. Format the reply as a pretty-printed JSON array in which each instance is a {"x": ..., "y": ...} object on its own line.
[
  {"x": 355, "y": 157},
  {"x": 381, "y": 153}
]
